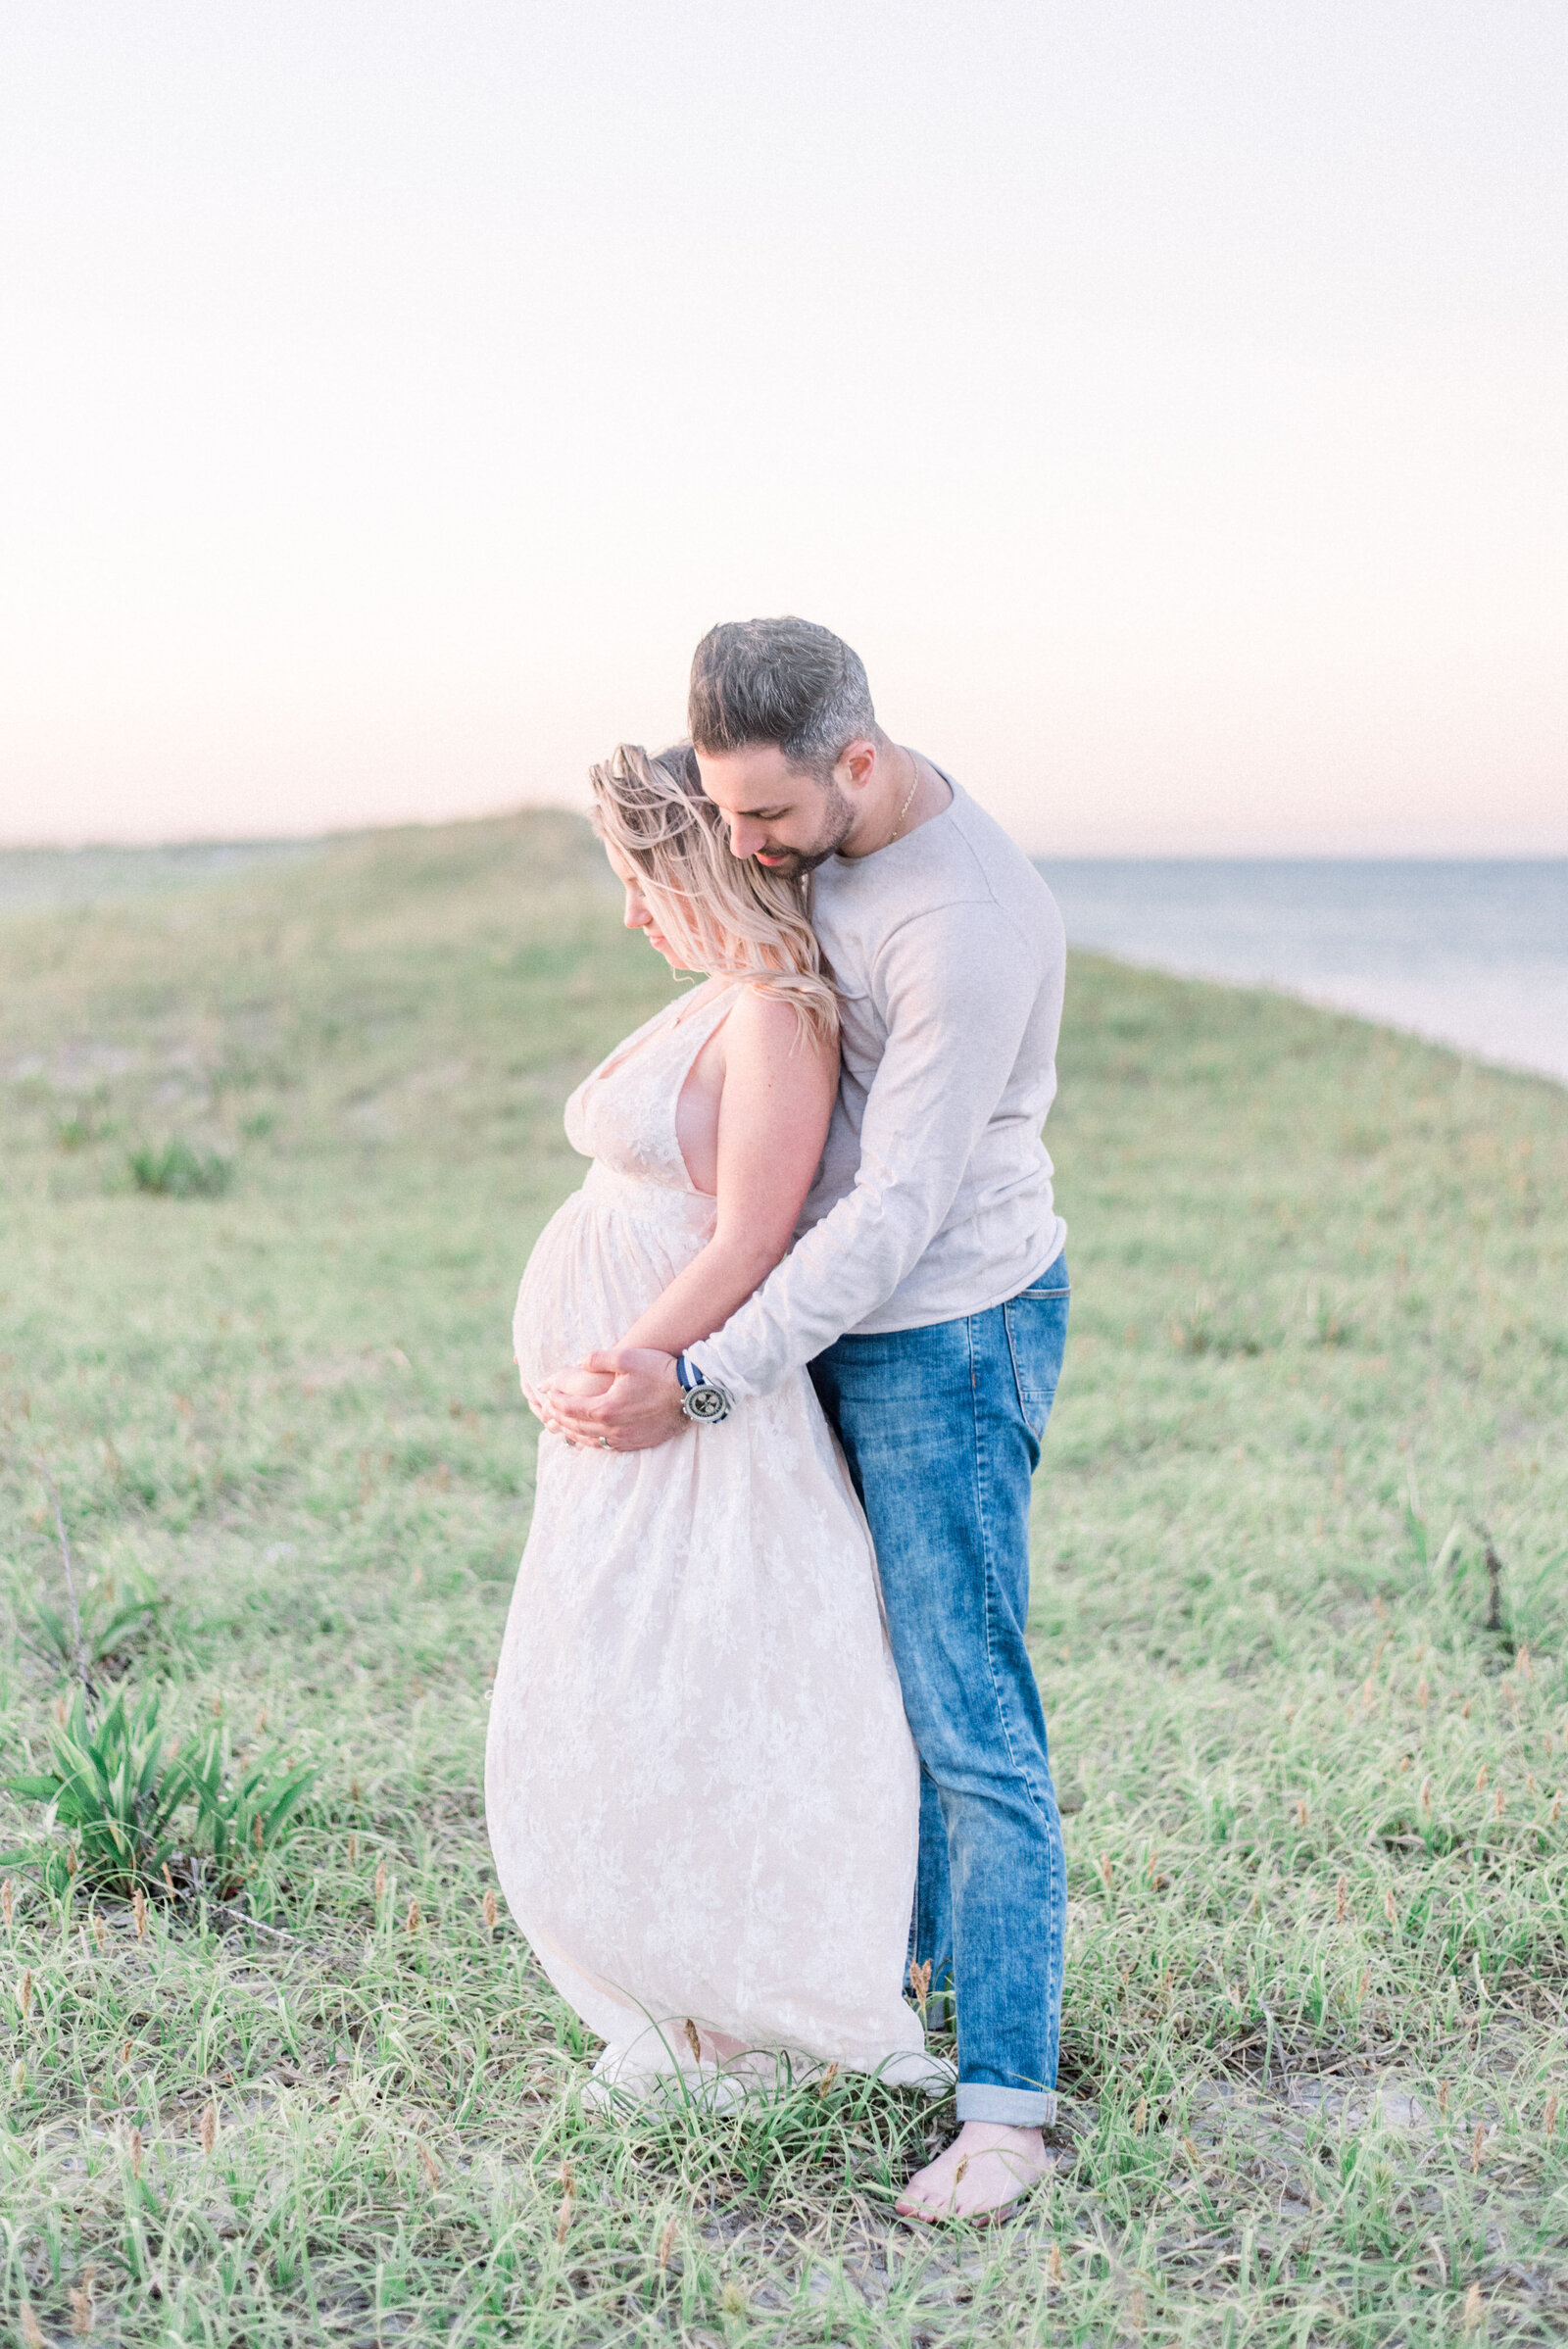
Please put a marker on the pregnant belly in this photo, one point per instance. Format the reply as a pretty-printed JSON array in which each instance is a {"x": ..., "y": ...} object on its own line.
[{"x": 598, "y": 1263}]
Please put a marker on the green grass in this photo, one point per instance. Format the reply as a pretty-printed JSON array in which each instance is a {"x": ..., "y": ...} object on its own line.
[{"x": 1319, "y": 1363}]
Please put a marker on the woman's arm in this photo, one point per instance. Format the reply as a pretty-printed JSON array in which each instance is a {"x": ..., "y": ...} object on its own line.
[
  {"x": 773, "y": 1111},
  {"x": 776, "y": 1099}
]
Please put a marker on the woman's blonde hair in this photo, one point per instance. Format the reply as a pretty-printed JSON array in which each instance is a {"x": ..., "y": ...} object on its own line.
[{"x": 724, "y": 914}]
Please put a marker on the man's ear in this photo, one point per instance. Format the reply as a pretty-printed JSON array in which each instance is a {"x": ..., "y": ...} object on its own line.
[{"x": 856, "y": 764}]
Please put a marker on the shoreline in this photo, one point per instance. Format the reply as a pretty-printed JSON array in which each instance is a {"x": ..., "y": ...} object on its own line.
[{"x": 1339, "y": 1006}]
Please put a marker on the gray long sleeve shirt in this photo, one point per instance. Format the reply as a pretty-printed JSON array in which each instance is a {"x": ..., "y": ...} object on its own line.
[{"x": 933, "y": 1199}]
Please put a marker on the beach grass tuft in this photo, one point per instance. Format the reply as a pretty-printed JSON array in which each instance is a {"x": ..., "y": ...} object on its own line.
[
  {"x": 1300, "y": 1620},
  {"x": 171, "y": 1169}
]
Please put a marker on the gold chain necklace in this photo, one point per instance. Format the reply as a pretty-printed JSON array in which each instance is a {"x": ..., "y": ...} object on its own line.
[{"x": 908, "y": 800}]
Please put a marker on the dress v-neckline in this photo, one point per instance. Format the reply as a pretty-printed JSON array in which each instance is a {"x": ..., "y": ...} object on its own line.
[{"x": 683, "y": 1009}]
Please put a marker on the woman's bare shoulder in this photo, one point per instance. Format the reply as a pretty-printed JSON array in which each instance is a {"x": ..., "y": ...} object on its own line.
[{"x": 766, "y": 1028}]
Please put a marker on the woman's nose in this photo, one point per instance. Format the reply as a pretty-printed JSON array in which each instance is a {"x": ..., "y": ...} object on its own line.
[{"x": 638, "y": 916}]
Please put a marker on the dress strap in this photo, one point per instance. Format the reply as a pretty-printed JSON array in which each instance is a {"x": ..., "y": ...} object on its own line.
[{"x": 703, "y": 1017}]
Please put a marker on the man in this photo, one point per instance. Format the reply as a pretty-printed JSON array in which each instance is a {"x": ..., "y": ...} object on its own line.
[{"x": 927, "y": 1290}]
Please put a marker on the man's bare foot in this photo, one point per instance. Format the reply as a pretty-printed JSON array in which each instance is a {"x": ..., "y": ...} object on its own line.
[{"x": 987, "y": 2167}]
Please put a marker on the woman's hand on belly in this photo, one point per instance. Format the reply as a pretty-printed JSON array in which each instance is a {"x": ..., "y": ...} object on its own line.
[
  {"x": 565, "y": 1385},
  {"x": 575, "y": 1381}
]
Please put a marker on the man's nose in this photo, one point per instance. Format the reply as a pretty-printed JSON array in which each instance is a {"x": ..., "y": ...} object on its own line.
[{"x": 745, "y": 837}]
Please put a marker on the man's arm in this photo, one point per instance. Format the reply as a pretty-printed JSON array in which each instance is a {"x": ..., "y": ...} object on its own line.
[{"x": 960, "y": 994}]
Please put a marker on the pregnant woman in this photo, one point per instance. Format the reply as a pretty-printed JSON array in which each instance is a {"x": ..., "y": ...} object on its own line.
[{"x": 702, "y": 1793}]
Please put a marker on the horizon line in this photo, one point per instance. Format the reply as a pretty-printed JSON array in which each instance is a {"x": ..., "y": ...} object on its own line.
[{"x": 196, "y": 842}]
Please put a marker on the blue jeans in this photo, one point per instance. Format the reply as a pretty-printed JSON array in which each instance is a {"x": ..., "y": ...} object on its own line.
[{"x": 941, "y": 1428}]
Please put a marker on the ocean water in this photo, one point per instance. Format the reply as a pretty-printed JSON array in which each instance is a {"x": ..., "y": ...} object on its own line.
[{"x": 1472, "y": 954}]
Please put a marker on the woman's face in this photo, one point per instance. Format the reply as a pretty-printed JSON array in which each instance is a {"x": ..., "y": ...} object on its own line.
[{"x": 642, "y": 909}]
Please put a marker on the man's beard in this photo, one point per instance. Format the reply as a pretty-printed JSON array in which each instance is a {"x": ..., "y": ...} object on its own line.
[{"x": 793, "y": 864}]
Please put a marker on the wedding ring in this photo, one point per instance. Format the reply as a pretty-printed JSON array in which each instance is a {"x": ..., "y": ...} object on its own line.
[{"x": 605, "y": 1440}]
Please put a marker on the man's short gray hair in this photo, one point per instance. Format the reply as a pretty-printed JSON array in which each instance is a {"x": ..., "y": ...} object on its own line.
[{"x": 784, "y": 681}]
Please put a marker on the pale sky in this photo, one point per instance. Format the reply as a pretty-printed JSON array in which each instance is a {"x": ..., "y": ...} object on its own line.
[{"x": 1170, "y": 401}]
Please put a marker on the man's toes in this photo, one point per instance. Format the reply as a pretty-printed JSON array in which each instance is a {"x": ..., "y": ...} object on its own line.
[{"x": 915, "y": 2201}]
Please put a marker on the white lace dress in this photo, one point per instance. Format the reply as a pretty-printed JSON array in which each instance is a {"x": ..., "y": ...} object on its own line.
[{"x": 700, "y": 1788}]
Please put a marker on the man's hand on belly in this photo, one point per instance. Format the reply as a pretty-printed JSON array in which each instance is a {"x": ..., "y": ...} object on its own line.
[{"x": 641, "y": 1406}]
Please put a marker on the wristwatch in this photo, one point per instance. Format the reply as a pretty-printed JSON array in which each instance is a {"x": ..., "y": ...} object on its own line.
[{"x": 703, "y": 1403}]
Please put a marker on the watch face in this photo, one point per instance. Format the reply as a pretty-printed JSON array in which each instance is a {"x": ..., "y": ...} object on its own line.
[{"x": 707, "y": 1403}]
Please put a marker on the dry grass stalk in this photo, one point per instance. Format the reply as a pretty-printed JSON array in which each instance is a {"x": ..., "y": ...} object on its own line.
[
  {"x": 81, "y": 2304},
  {"x": 694, "y": 2039},
  {"x": 430, "y": 2165},
  {"x": 207, "y": 2127},
  {"x": 32, "y": 2333},
  {"x": 8, "y": 1902},
  {"x": 489, "y": 1912},
  {"x": 666, "y": 2241},
  {"x": 139, "y": 1905}
]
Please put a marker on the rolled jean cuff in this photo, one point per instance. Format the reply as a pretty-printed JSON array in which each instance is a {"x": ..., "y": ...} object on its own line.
[{"x": 1016, "y": 2108}]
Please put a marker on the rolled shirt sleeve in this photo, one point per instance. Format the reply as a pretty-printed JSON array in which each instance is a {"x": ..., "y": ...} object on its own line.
[{"x": 956, "y": 997}]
